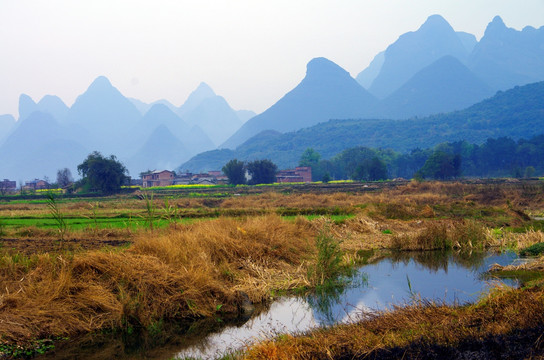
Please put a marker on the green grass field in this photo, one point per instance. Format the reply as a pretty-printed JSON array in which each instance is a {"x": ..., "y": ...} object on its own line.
[{"x": 120, "y": 221}]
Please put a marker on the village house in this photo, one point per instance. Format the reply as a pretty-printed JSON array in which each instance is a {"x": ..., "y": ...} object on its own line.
[
  {"x": 166, "y": 178},
  {"x": 219, "y": 177},
  {"x": 158, "y": 178},
  {"x": 204, "y": 179},
  {"x": 298, "y": 174},
  {"x": 183, "y": 178},
  {"x": 36, "y": 184},
  {"x": 7, "y": 186}
]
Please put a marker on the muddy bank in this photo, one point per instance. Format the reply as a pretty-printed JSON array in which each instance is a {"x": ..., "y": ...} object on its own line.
[{"x": 518, "y": 344}]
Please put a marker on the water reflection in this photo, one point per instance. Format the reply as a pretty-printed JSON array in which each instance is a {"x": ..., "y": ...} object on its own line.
[
  {"x": 323, "y": 302},
  {"x": 439, "y": 260}
]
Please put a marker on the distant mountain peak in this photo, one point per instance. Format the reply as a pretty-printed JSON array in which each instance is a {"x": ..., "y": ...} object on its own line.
[
  {"x": 201, "y": 93},
  {"x": 497, "y": 20},
  {"x": 158, "y": 109},
  {"x": 100, "y": 83},
  {"x": 496, "y": 25},
  {"x": 320, "y": 66},
  {"x": 26, "y": 106},
  {"x": 50, "y": 98},
  {"x": 25, "y": 98},
  {"x": 435, "y": 21},
  {"x": 415, "y": 50},
  {"x": 204, "y": 90},
  {"x": 327, "y": 92}
]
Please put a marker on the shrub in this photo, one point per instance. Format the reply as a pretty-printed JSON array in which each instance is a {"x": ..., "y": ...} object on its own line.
[{"x": 533, "y": 250}]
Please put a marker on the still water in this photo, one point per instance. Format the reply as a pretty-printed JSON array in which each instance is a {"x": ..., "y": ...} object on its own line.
[
  {"x": 448, "y": 277},
  {"x": 392, "y": 280}
]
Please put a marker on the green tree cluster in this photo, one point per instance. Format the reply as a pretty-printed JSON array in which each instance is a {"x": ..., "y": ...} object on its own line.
[
  {"x": 235, "y": 172},
  {"x": 441, "y": 165},
  {"x": 258, "y": 172},
  {"x": 102, "y": 174},
  {"x": 359, "y": 163}
]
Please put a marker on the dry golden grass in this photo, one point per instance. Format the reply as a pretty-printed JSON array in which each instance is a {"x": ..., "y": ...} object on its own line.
[
  {"x": 446, "y": 234},
  {"x": 500, "y": 312},
  {"x": 534, "y": 265},
  {"x": 522, "y": 240},
  {"x": 183, "y": 272}
]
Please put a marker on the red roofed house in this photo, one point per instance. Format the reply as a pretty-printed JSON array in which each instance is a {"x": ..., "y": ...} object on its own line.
[
  {"x": 158, "y": 178},
  {"x": 299, "y": 174},
  {"x": 36, "y": 184}
]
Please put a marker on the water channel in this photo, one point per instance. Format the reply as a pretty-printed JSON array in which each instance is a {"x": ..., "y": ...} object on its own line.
[{"x": 392, "y": 280}]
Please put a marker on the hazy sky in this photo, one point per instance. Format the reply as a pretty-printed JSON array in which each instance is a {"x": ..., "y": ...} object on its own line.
[{"x": 249, "y": 51}]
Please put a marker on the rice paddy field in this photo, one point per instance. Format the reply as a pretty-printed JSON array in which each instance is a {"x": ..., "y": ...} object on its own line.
[{"x": 70, "y": 267}]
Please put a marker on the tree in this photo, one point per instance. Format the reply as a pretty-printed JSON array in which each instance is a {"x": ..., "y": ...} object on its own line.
[
  {"x": 529, "y": 172},
  {"x": 103, "y": 174},
  {"x": 441, "y": 165},
  {"x": 377, "y": 170},
  {"x": 309, "y": 157},
  {"x": 64, "y": 177},
  {"x": 235, "y": 171},
  {"x": 370, "y": 170},
  {"x": 262, "y": 172},
  {"x": 326, "y": 177}
]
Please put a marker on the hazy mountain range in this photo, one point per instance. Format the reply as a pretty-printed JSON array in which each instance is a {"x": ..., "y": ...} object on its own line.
[
  {"x": 431, "y": 70},
  {"x": 50, "y": 135},
  {"x": 428, "y": 71}
]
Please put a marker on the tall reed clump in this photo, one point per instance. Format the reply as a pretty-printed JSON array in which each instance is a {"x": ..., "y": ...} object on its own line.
[
  {"x": 94, "y": 214},
  {"x": 328, "y": 266},
  {"x": 523, "y": 240},
  {"x": 58, "y": 216},
  {"x": 149, "y": 214},
  {"x": 170, "y": 212},
  {"x": 182, "y": 273}
]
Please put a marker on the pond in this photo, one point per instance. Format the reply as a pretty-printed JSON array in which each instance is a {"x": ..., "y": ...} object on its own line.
[{"x": 392, "y": 280}]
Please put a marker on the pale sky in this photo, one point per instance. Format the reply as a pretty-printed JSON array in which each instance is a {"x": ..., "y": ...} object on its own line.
[{"x": 250, "y": 51}]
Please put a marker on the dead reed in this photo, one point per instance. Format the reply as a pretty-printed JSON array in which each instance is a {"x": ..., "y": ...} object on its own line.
[{"x": 445, "y": 235}]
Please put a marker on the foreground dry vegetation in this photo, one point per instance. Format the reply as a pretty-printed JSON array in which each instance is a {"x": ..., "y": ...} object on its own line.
[
  {"x": 185, "y": 272},
  {"x": 214, "y": 266}
]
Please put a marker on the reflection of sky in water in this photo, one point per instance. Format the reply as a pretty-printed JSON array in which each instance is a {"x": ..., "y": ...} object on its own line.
[
  {"x": 387, "y": 285},
  {"x": 285, "y": 315}
]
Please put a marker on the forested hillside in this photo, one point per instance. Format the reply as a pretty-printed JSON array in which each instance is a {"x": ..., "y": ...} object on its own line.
[{"x": 516, "y": 113}]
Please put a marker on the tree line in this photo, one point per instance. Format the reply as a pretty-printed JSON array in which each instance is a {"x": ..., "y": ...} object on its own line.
[{"x": 502, "y": 157}]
